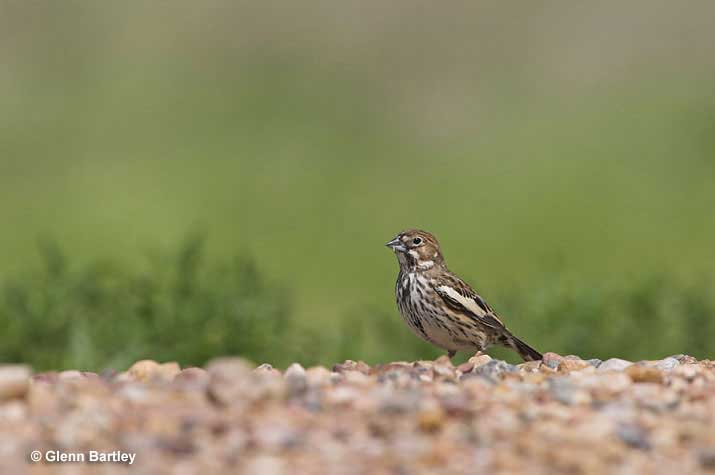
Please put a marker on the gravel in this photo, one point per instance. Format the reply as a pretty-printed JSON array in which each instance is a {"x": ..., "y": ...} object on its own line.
[
  {"x": 614, "y": 364},
  {"x": 565, "y": 416}
]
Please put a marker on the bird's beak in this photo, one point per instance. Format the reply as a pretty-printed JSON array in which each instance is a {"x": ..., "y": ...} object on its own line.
[{"x": 396, "y": 245}]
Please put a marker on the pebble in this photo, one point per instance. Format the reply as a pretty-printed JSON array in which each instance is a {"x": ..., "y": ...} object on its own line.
[
  {"x": 684, "y": 359},
  {"x": 572, "y": 364},
  {"x": 430, "y": 419},
  {"x": 494, "y": 368},
  {"x": 70, "y": 374},
  {"x": 633, "y": 435},
  {"x": 644, "y": 374},
  {"x": 230, "y": 380},
  {"x": 479, "y": 360},
  {"x": 614, "y": 364},
  {"x": 551, "y": 360},
  {"x": 318, "y": 376},
  {"x": 296, "y": 380},
  {"x": 530, "y": 366},
  {"x": 150, "y": 370},
  {"x": 567, "y": 392},
  {"x": 268, "y": 369},
  {"x": 350, "y": 365},
  {"x": 229, "y": 368},
  {"x": 14, "y": 381},
  {"x": 667, "y": 364}
]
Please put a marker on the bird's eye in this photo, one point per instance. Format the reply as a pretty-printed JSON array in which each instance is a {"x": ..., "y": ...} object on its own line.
[{"x": 417, "y": 241}]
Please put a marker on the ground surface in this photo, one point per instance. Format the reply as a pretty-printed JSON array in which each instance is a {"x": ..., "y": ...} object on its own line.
[{"x": 563, "y": 415}]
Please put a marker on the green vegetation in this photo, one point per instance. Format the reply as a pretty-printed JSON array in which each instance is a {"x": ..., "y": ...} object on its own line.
[
  {"x": 182, "y": 307},
  {"x": 178, "y": 308},
  {"x": 570, "y": 180}
]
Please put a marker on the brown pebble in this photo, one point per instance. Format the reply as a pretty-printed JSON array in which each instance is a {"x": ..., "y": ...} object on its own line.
[
  {"x": 567, "y": 365},
  {"x": 143, "y": 370},
  {"x": 431, "y": 419},
  {"x": 479, "y": 360},
  {"x": 644, "y": 374},
  {"x": 350, "y": 365}
]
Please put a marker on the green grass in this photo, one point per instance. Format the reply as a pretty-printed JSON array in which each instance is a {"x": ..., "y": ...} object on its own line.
[{"x": 177, "y": 308}]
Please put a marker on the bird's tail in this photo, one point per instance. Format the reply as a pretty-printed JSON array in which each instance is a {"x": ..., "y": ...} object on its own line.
[{"x": 526, "y": 352}]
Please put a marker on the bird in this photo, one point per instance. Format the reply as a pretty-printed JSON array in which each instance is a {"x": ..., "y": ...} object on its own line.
[{"x": 441, "y": 308}]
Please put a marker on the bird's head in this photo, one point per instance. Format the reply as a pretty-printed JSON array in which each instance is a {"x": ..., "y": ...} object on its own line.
[{"x": 416, "y": 250}]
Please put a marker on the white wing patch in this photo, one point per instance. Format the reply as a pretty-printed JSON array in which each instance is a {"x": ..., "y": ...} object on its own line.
[{"x": 468, "y": 303}]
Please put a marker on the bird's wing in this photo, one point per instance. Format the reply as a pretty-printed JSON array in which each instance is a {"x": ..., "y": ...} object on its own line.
[{"x": 461, "y": 298}]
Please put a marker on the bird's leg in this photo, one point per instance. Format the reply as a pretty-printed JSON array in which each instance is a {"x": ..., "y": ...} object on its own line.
[{"x": 451, "y": 353}]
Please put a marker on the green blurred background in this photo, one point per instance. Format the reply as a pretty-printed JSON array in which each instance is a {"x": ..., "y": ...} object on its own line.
[{"x": 181, "y": 180}]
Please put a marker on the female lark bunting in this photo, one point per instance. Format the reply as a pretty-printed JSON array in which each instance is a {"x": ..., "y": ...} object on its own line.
[{"x": 439, "y": 307}]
